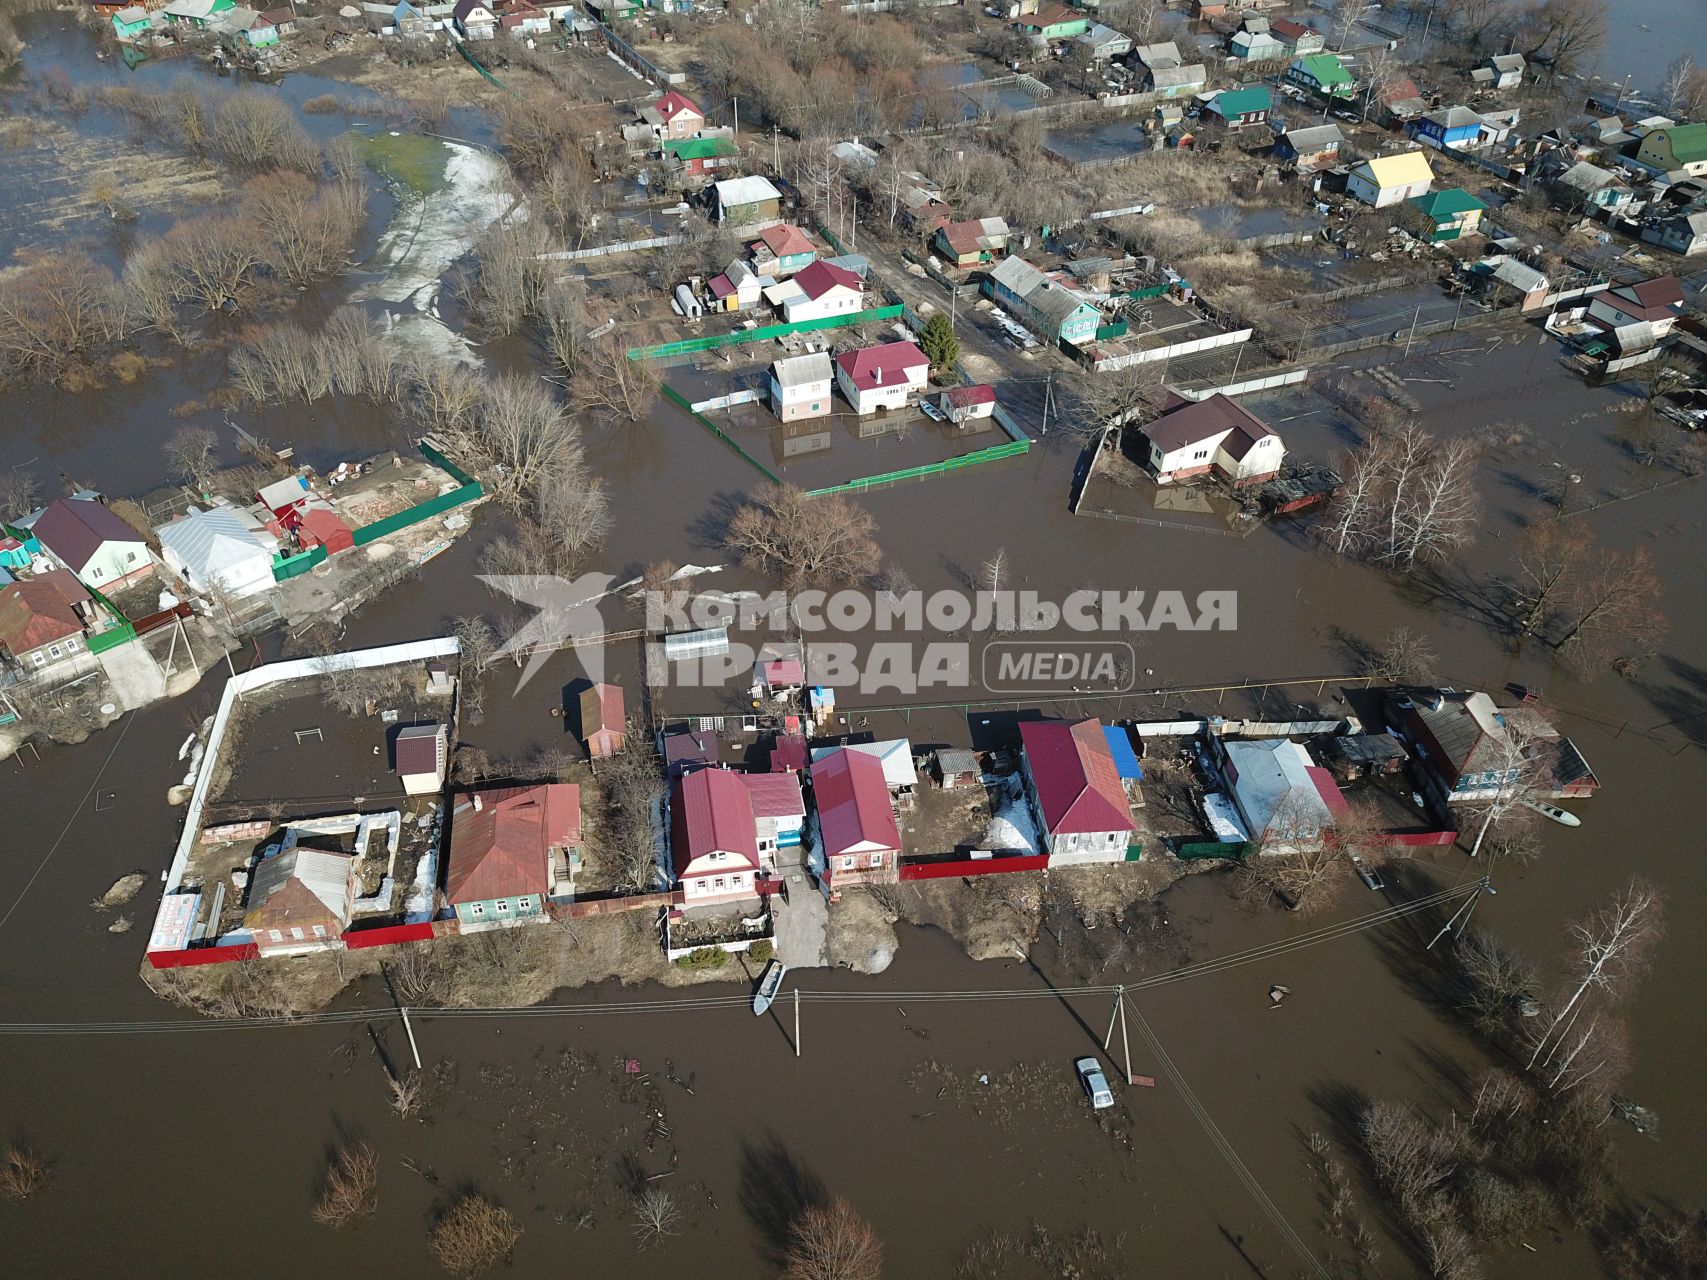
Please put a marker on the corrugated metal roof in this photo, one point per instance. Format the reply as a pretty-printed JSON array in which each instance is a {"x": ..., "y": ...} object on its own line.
[
  {"x": 1073, "y": 770},
  {"x": 854, "y": 812},
  {"x": 1120, "y": 747},
  {"x": 325, "y": 875},
  {"x": 74, "y": 529},
  {"x": 503, "y": 848},
  {"x": 713, "y": 813},
  {"x": 1400, "y": 170},
  {"x": 1276, "y": 792},
  {"x": 895, "y": 755}
]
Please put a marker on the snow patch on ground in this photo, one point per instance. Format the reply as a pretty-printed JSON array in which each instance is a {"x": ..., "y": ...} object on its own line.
[
  {"x": 1012, "y": 826},
  {"x": 423, "y": 241}
]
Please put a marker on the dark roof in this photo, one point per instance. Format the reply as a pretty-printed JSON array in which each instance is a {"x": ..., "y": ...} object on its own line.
[
  {"x": 689, "y": 750},
  {"x": 74, "y": 529},
  {"x": 1078, "y": 786},
  {"x": 1367, "y": 748},
  {"x": 1650, "y": 300},
  {"x": 503, "y": 848},
  {"x": 417, "y": 749},
  {"x": 1186, "y": 421},
  {"x": 466, "y": 7}
]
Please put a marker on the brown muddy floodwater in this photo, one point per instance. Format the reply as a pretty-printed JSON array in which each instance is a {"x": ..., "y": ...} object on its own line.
[{"x": 180, "y": 1151}]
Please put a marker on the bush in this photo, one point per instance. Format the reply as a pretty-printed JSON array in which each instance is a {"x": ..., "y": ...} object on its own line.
[
  {"x": 473, "y": 1235},
  {"x": 350, "y": 1189},
  {"x": 704, "y": 958},
  {"x": 22, "y": 1174},
  {"x": 761, "y": 951}
]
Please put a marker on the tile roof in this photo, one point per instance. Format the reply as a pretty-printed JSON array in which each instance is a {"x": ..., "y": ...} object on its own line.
[
  {"x": 503, "y": 848},
  {"x": 1078, "y": 786},
  {"x": 854, "y": 812},
  {"x": 417, "y": 749},
  {"x": 38, "y": 610},
  {"x": 74, "y": 529},
  {"x": 712, "y": 812}
]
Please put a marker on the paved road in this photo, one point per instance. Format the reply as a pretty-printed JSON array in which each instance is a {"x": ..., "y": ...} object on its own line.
[{"x": 802, "y": 923}]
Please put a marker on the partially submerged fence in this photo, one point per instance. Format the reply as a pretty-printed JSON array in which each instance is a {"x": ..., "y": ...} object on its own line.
[
  {"x": 680, "y": 401},
  {"x": 1013, "y": 449}
]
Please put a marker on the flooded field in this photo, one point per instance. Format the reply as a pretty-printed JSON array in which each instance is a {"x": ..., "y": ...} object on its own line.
[
  {"x": 197, "y": 1139},
  {"x": 1097, "y": 144}
]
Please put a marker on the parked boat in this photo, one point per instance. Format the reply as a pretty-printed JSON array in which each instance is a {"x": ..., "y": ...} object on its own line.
[
  {"x": 1562, "y": 816},
  {"x": 769, "y": 985}
]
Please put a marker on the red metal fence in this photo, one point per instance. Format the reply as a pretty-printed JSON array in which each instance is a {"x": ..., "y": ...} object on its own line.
[
  {"x": 939, "y": 869},
  {"x": 386, "y": 935},
  {"x": 202, "y": 955},
  {"x": 1421, "y": 839}
]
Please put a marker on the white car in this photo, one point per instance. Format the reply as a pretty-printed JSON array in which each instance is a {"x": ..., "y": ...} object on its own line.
[{"x": 1096, "y": 1084}]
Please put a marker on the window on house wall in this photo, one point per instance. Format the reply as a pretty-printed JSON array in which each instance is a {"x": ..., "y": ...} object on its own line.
[
  {"x": 53, "y": 651},
  {"x": 297, "y": 933},
  {"x": 477, "y": 909},
  {"x": 94, "y": 573},
  {"x": 38, "y": 659},
  {"x": 276, "y": 935},
  {"x": 876, "y": 860},
  {"x": 319, "y": 931},
  {"x": 71, "y": 645},
  {"x": 502, "y": 905},
  {"x": 848, "y": 862},
  {"x": 717, "y": 883}
]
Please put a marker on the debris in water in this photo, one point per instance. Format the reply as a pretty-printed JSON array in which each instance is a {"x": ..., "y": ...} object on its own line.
[
  {"x": 1277, "y": 993},
  {"x": 121, "y": 925},
  {"x": 124, "y": 889}
]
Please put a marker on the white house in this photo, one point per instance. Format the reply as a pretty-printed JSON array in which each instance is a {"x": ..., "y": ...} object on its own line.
[
  {"x": 221, "y": 547},
  {"x": 420, "y": 753},
  {"x": 1193, "y": 438},
  {"x": 1073, "y": 787},
  {"x": 474, "y": 20},
  {"x": 1285, "y": 800},
  {"x": 87, "y": 538},
  {"x": 884, "y": 377},
  {"x": 801, "y": 386},
  {"x": 1392, "y": 179},
  {"x": 823, "y": 290},
  {"x": 779, "y": 811},
  {"x": 1638, "y": 315}
]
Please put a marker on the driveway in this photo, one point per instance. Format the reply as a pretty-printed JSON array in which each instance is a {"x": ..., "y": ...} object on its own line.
[
  {"x": 135, "y": 676},
  {"x": 802, "y": 923}
]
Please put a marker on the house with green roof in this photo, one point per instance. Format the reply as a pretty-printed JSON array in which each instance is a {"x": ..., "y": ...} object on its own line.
[
  {"x": 1678, "y": 146},
  {"x": 700, "y": 155},
  {"x": 1243, "y": 106},
  {"x": 1322, "y": 74},
  {"x": 132, "y": 23},
  {"x": 1449, "y": 214}
]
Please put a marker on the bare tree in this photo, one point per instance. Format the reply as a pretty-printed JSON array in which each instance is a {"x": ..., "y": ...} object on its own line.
[
  {"x": 349, "y": 1188},
  {"x": 22, "y": 1174},
  {"x": 473, "y": 1235},
  {"x": 1493, "y": 981},
  {"x": 1436, "y": 509},
  {"x": 656, "y": 1216},
  {"x": 567, "y": 195},
  {"x": 804, "y": 541},
  {"x": 832, "y": 1242},
  {"x": 1550, "y": 555},
  {"x": 193, "y": 453},
  {"x": 1612, "y": 607},
  {"x": 1610, "y": 947},
  {"x": 311, "y": 226},
  {"x": 19, "y": 492},
  {"x": 56, "y": 313},
  {"x": 1404, "y": 657},
  {"x": 633, "y": 786},
  {"x": 1115, "y": 398},
  {"x": 1517, "y": 770},
  {"x": 511, "y": 276},
  {"x": 209, "y": 262}
]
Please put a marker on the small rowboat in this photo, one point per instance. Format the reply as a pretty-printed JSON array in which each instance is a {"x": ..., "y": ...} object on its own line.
[
  {"x": 1563, "y": 817},
  {"x": 769, "y": 985}
]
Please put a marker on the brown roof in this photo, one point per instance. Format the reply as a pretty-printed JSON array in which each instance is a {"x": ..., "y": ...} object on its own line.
[
  {"x": 1185, "y": 421},
  {"x": 502, "y": 849},
  {"x": 37, "y": 611},
  {"x": 602, "y": 708},
  {"x": 418, "y": 749}
]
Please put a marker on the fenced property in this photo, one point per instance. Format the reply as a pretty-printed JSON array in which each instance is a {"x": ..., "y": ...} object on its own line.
[{"x": 997, "y": 863}]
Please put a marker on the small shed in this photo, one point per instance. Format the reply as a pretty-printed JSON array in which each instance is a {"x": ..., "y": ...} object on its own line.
[
  {"x": 322, "y": 527},
  {"x": 781, "y": 676},
  {"x": 961, "y": 405},
  {"x": 1363, "y": 755},
  {"x": 604, "y": 720},
  {"x": 689, "y": 750},
  {"x": 421, "y": 751},
  {"x": 957, "y": 767}
]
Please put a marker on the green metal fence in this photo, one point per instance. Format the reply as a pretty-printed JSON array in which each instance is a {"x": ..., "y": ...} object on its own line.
[
  {"x": 288, "y": 567},
  {"x": 112, "y": 638},
  {"x": 1135, "y": 853},
  {"x": 714, "y": 341},
  {"x": 1214, "y": 849},
  {"x": 676, "y": 398},
  {"x": 1013, "y": 449}
]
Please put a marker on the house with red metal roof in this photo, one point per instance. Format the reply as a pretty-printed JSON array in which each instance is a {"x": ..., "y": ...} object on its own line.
[
  {"x": 714, "y": 837},
  {"x": 857, "y": 833},
  {"x": 884, "y": 377},
  {"x": 961, "y": 405},
  {"x": 88, "y": 539},
  {"x": 41, "y": 624},
  {"x": 824, "y": 290},
  {"x": 1074, "y": 788},
  {"x": 675, "y": 115},
  {"x": 1217, "y": 435},
  {"x": 512, "y": 848}
]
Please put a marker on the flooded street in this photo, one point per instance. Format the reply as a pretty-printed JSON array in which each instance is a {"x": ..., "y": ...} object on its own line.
[{"x": 205, "y": 1141}]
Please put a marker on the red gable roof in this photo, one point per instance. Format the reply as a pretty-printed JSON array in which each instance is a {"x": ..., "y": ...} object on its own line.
[
  {"x": 1288, "y": 28},
  {"x": 819, "y": 278},
  {"x": 503, "y": 848},
  {"x": 775, "y": 795},
  {"x": 966, "y": 397},
  {"x": 1078, "y": 786},
  {"x": 854, "y": 813},
  {"x": 784, "y": 240},
  {"x": 1650, "y": 300},
  {"x": 602, "y": 708},
  {"x": 38, "y": 611},
  {"x": 788, "y": 752},
  {"x": 879, "y": 366},
  {"x": 713, "y": 813},
  {"x": 675, "y": 103}
]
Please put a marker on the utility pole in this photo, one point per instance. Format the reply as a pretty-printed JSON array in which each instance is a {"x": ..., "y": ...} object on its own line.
[
  {"x": 1413, "y": 331},
  {"x": 737, "y": 101},
  {"x": 797, "y": 1022},
  {"x": 415, "y": 1050},
  {"x": 1119, "y": 1012},
  {"x": 776, "y": 153},
  {"x": 1465, "y": 911}
]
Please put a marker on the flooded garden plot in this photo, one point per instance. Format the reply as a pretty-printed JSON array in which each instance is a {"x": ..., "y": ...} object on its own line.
[{"x": 1094, "y": 144}]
